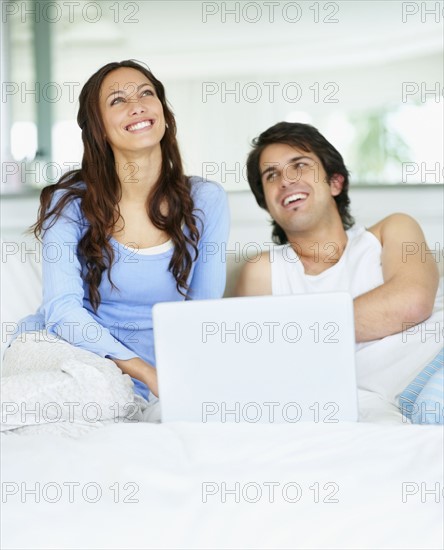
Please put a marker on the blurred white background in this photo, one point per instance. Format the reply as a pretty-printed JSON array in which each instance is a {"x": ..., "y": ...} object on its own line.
[{"x": 368, "y": 74}]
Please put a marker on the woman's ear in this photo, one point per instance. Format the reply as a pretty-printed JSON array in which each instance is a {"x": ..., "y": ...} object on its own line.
[{"x": 336, "y": 184}]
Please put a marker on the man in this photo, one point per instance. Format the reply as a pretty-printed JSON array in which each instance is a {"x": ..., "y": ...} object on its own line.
[{"x": 301, "y": 180}]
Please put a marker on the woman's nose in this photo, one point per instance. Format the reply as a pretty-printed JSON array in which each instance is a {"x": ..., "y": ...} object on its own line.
[{"x": 136, "y": 107}]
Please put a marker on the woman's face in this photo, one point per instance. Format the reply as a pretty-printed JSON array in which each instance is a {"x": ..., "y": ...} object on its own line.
[{"x": 132, "y": 113}]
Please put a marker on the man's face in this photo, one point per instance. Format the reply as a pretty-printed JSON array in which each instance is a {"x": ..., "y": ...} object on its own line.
[{"x": 297, "y": 192}]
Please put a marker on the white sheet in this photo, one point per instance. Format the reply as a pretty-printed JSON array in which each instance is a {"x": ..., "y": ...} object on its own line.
[
  {"x": 368, "y": 462},
  {"x": 49, "y": 385},
  {"x": 169, "y": 463}
]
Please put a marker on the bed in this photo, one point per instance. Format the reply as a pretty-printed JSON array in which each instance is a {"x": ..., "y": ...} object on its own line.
[{"x": 121, "y": 484}]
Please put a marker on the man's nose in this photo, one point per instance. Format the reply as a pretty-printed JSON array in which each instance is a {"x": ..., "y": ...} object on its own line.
[
  {"x": 287, "y": 180},
  {"x": 289, "y": 176}
]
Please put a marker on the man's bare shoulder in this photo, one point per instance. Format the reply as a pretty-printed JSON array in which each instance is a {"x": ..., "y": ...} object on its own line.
[
  {"x": 255, "y": 277},
  {"x": 394, "y": 223}
]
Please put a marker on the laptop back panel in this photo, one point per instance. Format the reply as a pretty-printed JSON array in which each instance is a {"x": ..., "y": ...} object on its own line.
[{"x": 259, "y": 359}]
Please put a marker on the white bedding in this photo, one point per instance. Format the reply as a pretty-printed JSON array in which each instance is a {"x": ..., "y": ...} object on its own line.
[
  {"x": 168, "y": 466},
  {"x": 367, "y": 463}
]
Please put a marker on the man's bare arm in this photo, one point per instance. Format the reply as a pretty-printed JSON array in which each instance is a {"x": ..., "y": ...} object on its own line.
[
  {"x": 410, "y": 281},
  {"x": 255, "y": 277}
]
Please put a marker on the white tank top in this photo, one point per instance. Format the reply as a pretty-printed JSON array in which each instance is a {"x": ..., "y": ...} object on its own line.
[
  {"x": 358, "y": 270},
  {"x": 384, "y": 366}
]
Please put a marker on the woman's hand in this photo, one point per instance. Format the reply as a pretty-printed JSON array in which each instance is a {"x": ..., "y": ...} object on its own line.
[{"x": 139, "y": 369}]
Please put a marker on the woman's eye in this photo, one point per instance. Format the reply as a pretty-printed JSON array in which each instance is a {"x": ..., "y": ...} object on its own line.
[
  {"x": 147, "y": 92},
  {"x": 271, "y": 176},
  {"x": 116, "y": 100}
]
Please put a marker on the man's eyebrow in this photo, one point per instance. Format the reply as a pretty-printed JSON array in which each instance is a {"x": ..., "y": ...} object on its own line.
[
  {"x": 274, "y": 164},
  {"x": 139, "y": 87},
  {"x": 269, "y": 169}
]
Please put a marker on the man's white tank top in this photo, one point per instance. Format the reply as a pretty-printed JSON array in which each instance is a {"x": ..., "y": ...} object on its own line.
[
  {"x": 357, "y": 271},
  {"x": 384, "y": 366}
]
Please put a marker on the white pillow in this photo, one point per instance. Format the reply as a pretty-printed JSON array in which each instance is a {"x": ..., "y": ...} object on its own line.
[{"x": 21, "y": 283}]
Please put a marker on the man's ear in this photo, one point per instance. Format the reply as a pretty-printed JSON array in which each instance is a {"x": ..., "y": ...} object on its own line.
[{"x": 336, "y": 184}]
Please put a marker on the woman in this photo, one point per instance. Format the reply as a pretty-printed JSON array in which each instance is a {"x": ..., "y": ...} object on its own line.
[{"x": 128, "y": 229}]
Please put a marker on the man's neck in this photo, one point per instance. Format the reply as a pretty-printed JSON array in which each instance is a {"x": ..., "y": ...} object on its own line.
[{"x": 320, "y": 250}]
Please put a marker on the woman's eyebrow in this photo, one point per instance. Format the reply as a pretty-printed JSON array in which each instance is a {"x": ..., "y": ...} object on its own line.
[{"x": 139, "y": 87}]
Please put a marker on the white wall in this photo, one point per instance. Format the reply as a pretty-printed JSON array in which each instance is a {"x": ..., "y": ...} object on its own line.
[
  {"x": 368, "y": 205},
  {"x": 363, "y": 56}
]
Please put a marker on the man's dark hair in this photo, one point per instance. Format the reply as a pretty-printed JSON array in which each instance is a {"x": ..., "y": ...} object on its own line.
[{"x": 307, "y": 138}]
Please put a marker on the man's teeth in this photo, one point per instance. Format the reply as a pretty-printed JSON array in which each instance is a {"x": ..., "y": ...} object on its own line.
[
  {"x": 295, "y": 197},
  {"x": 139, "y": 125}
]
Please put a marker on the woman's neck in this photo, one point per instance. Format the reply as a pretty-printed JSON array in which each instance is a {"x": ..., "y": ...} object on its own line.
[{"x": 138, "y": 173}]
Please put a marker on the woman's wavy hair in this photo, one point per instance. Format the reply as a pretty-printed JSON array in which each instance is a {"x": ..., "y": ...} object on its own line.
[
  {"x": 102, "y": 191},
  {"x": 307, "y": 138}
]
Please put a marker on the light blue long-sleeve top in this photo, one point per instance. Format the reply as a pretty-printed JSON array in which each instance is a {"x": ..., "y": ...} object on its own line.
[{"x": 122, "y": 328}]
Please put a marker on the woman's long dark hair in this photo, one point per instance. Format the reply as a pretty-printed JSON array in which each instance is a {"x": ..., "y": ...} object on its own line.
[{"x": 100, "y": 198}]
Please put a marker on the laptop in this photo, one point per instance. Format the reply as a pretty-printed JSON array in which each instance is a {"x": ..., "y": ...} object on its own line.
[{"x": 272, "y": 359}]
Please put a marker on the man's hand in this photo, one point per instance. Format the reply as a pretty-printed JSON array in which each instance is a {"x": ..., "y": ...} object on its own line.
[{"x": 139, "y": 369}]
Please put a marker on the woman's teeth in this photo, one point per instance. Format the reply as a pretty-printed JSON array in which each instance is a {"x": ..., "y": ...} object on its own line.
[{"x": 139, "y": 125}]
